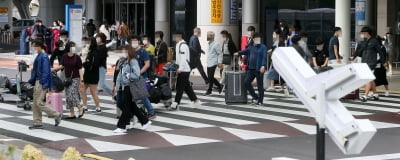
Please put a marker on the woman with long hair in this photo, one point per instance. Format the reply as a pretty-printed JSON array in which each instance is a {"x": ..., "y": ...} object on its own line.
[
  {"x": 129, "y": 71},
  {"x": 91, "y": 74}
]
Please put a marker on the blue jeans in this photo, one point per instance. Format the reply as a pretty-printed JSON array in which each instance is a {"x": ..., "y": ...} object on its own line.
[
  {"x": 250, "y": 75},
  {"x": 147, "y": 104},
  {"x": 123, "y": 40},
  {"x": 102, "y": 80}
]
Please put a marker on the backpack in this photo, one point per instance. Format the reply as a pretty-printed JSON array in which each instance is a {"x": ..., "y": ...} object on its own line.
[{"x": 194, "y": 59}]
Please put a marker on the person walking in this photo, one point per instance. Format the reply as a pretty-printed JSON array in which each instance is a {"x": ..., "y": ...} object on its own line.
[
  {"x": 256, "y": 66},
  {"x": 333, "y": 48},
  {"x": 370, "y": 51},
  {"x": 214, "y": 59},
  {"x": 143, "y": 57},
  {"x": 42, "y": 81},
  {"x": 105, "y": 29},
  {"x": 228, "y": 49},
  {"x": 57, "y": 53},
  {"x": 160, "y": 53},
  {"x": 102, "y": 55},
  {"x": 130, "y": 71},
  {"x": 117, "y": 68},
  {"x": 90, "y": 75},
  {"x": 123, "y": 32},
  {"x": 194, "y": 43},
  {"x": 182, "y": 53},
  {"x": 72, "y": 65},
  {"x": 320, "y": 57},
  {"x": 90, "y": 28}
]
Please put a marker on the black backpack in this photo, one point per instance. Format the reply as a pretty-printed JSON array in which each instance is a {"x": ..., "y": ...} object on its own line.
[{"x": 194, "y": 58}]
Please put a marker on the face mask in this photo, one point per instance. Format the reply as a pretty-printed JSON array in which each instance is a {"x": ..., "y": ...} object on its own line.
[
  {"x": 249, "y": 33},
  {"x": 209, "y": 39},
  {"x": 145, "y": 42},
  {"x": 274, "y": 36},
  {"x": 55, "y": 25},
  {"x": 362, "y": 36},
  {"x": 73, "y": 49},
  {"x": 135, "y": 45},
  {"x": 340, "y": 34},
  {"x": 35, "y": 51},
  {"x": 282, "y": 28},
  {"x": 305, "y": 40},
  {"x": 224, "y": 39},
  {"x": 87, "y": 45},
  {"x": 61, "y": 48},
  {"x": 98, "y": 40},
  {"x": 257, "y": 41},
  {"x": 320, "y": 48},
  {"x": 157, "y": 39},
  {"x": 199, "y": 35}
]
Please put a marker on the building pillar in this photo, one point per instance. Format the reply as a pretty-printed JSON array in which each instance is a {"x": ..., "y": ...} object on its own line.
[
  {"x": 7, "y": 7},
  {"x": 50, "y": 10},
  {"x": 342, "y": 20},
  {"x": 206, "y": 21},
  {"x": 250, "y": 15},
  {"x": 161, "y": 9}
]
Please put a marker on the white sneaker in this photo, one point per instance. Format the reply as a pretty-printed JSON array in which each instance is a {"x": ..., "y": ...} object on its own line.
[
  {"x": 196, "y": 104},
  {"x": 286, "y": 92},
  {"x": 370, "y": 94},
  {"x": 120, "y": 130},
  {"x": 270, "y": 89},
  {"x": 174, "y": 106},
  {"x": 130, "y": 126},
  {"x": 147, "y": 125},
  {"x": 387, "y": 94}
]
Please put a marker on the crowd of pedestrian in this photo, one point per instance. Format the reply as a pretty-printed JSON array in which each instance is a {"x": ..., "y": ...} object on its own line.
[{"x": 140, "y": 59}]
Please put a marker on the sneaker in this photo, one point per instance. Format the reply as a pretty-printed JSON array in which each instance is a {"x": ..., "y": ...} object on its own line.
[
  {"x": 375, "y": 97},
  {"x": 270, "y": 89},
  {"x": 85, "y": 108},
  {"x": 221, "y": 88},
  {"x": 363, "y": 99},
  {"x": 254, "y": 101},
  {"x": 174, "y": 106},
  {"x": 130, "y": 126},
  {"x": 196, "y": 104},
  {"x": 98, "y": 111},
  {"x": 152, "y": 117},
  {"x": 147, "y": 125},
  {"x": 207, "y": 93},
  {"x": 286, "y": 92},
  {"x": 387, "y": 93},
  {"x": 58, "y": 120},
  {"x": 370, "y": 94},
  {"x": 120, "y": 130},
  {"x": 36, "y": 127}
]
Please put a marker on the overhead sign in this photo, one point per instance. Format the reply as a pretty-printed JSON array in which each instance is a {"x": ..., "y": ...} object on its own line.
[
  {"x": 216, "y": 11},
  {"x": 3, "y": 15},
  {"x": 360, "y": 12},
  {"x": 74, "y": 23}
]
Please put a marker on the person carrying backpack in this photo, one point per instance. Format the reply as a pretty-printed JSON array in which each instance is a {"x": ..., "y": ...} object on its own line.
[{"x": 182, "y": 52}]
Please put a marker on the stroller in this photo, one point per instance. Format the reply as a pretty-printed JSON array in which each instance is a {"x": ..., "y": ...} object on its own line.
[{"x": 16, "y": 90}]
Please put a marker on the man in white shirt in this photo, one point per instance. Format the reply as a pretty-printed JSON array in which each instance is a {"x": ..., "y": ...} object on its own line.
[
  {"x": 214, "y": 58},
  {"x": 182, "y": 53}
]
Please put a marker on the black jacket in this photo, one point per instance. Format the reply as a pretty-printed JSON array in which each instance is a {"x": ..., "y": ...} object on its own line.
[
  {"x": 161, "y": 51},
  {"x": 369, "y": 51},
  {"x": 231, "y": 47}
]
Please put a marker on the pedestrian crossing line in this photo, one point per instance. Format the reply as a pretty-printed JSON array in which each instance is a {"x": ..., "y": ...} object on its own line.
[
  {"x": 77, "y": 126},
  {"x": 375, "y": 157},
  {"x": 43, "y": 134},
  {"x": 182, "y": 122}
]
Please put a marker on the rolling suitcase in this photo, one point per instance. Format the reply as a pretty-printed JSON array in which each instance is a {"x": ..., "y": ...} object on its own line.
[{"x": 235, "y": 90}]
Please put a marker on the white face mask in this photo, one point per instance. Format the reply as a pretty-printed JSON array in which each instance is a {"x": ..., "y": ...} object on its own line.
[
  {"x": 98, "y": 40},
  {"x": 61, "y": 48},
  {"x": 135, "y": 45},
  {"x": 224, "y": 39},
  {"x": 73, "y": 50},
  {"x": 362, "y": 36},
  {"x": 249, "y": 33},
  {"x": 257, "y": 41},
  {"x": 158, "y": 39},
  {"x": 282, "y": 28},
  {"x": 145, "y": 42},
  {"x": 274, "y": 36},
  {"x": 87, "y": 45},
  {"x": 320, "y": 47}
]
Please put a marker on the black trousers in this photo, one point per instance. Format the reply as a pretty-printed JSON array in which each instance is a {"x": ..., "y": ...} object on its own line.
[
  {"x": 183, "y": 85},
  {"x": 129, "y": 108},
  {"x": 201, "y": 71},
  {"x": 211, "y": 79}
]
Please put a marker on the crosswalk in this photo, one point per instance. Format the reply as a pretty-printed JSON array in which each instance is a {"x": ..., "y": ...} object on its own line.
[{"x": 243, "y": 121}]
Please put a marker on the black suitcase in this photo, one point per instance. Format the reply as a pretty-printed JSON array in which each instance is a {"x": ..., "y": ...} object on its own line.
[{"x": 235, "y": 90}]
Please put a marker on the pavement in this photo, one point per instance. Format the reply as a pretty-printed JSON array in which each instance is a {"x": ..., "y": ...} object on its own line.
[{"x": 281, "y": 127}]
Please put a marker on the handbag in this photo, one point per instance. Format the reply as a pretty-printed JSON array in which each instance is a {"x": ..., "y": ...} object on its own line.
[
  {"x": 68, "y": 80},
  {"x": 138, "y": 89},
  {"x": 226, "y": 59}
]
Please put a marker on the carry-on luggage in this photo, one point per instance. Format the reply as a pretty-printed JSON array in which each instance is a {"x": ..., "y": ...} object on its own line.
[
  {"x": 235, "y": 90},
  {"x": 353, "y": 95}
]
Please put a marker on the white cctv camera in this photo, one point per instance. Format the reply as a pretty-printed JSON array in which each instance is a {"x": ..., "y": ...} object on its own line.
[{"x": 321, "y": 93}]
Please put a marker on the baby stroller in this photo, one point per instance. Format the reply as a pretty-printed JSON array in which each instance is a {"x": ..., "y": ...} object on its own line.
[
  {"x": 18, "y": 91},
  {"x": 160, "y": 91}
]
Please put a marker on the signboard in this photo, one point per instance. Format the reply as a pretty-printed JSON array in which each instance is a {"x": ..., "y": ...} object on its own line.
[
  {"x": 234, "y": 12},
  {"x": 74, "y": 22},
  {"x": 216, "y": 11},
  {"x": 360, "y": 12},
  {"x": 3, "y": 15}
]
